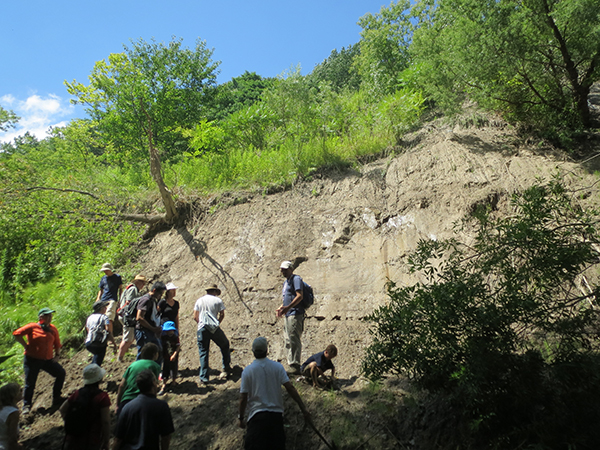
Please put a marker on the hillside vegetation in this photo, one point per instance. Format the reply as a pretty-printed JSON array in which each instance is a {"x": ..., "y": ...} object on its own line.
[{"x": 161, "y": 136}]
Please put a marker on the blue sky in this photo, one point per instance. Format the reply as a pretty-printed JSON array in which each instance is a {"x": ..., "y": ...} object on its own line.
[{"x": 43, "y": 43}]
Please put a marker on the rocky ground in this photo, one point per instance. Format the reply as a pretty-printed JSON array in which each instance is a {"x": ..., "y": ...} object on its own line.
[{"x": 349, "y": 232}]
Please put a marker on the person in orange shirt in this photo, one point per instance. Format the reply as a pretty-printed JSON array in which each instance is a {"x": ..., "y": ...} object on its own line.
[{"x": 42, "y": 349}]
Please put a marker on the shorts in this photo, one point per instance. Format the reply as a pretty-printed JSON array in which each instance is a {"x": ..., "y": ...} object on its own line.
[
  {"x": 111, "y": 310},
  {"x": 128, "y": 332}
]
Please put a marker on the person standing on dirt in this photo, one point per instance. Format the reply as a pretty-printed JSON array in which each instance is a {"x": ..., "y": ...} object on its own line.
[
  {"x": 111, "y": 286},
  {"x": 209, "y": 312},
  {"x": 168, "y": 307},
  {"x": 42, "y": 350},
  {"x": 99, "y": 333},
  {"x": 145, "y": 422},
  {"x": 147, "y": 328},
  {"x": 128, "y": 389},
  {"x": 132, "y": 291},
  {"x": 293, "y": 314},
  {"x": 86, "y": 414},
  {"x": 260, "y": 392}
]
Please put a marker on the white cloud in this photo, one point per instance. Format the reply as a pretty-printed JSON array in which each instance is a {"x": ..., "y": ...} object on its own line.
[{"x": 38, "y": 115}]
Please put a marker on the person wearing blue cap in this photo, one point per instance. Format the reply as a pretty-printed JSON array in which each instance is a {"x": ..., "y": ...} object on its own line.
[
  {"x": 42, "y": 350},
  {"x": 171, "y": 347}
]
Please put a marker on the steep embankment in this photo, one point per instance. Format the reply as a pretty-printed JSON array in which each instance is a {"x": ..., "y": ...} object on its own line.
[{"x": 349, "y": 232}]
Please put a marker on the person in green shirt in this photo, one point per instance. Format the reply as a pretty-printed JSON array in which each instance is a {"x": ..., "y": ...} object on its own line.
[{"x": 128, "y": 389}]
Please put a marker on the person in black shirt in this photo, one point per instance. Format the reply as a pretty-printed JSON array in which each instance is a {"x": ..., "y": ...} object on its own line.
[{"x": 168, "y": 307}]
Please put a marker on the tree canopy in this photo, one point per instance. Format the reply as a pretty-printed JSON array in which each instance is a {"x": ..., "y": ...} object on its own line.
[
  {"x": 148, "y": 92},
  {"x": 534, "y": 60}
]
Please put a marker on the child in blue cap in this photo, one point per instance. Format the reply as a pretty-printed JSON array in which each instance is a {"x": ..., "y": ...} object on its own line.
[{"x": 171, "y": 347}]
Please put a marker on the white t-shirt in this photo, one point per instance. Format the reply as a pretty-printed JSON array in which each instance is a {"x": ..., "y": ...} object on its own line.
[
  {"x": 92, "y": 322},
  {"x": 5, "y": 411},
  {"x": 262, "y": 381},
  {"x": 211, "y": 304}
]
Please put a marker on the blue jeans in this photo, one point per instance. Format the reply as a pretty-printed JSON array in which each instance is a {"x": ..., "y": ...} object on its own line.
[
  {"x": 144, "y": 336},
  {"x": 219, "y": 338},
  {"x": 32, "y": 367}
]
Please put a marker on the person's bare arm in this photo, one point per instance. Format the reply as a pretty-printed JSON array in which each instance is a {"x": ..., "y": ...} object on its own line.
[
  {"x": 12, "y": 431},
  {"x": 121, "y": 391},
  {"x": 144, "y": 323},
  {"x": 98, "y": 296},
  {"x": 165, "y": 441},
  {"x": 242, "y": 410},
  {"x": 64, "y": 409},
  {"x": 221, "y": 316},
  {"x": 196, "y": 316},
  {"x": 289, "y": 387},
  {"x": 21, "y": 340},
  {"x": 105, "y": 420}
]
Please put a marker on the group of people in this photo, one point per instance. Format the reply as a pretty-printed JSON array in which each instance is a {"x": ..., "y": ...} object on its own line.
[{"x": 155, "y": 329}]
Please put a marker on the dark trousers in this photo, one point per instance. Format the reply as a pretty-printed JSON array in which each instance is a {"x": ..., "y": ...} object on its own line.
[
  {"x": 32, "y": 367},
  {"x": 265, "y": 432},
  {"x": 204, "y": 337},
  {"x": 98, "y": 350},
  {"x": 144, "y": 336}
]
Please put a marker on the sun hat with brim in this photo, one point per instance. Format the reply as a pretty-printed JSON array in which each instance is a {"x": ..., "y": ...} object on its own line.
[
  {"x": 93, "y": 373},
  {"x": 44, "y": 311},
  {"x": 97, "y": 306},
  {"x": 286, "y": 265},
  {"x": 107, "y": 266},
  {"x": 140, "y": 278},
  {"x": 213, "y": 287},
  {"x": 260, "y": 345},
  {"x": 171, "y": 286}
]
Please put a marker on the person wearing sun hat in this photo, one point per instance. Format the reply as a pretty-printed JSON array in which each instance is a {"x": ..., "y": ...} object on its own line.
[
  {"x": 87, "y": 408},
  {"x": 42, "y": 350},
  {"x": 110, "y": 288},
  {"x": 132, "y": 291},
  {"x": 209, "y": 312}
]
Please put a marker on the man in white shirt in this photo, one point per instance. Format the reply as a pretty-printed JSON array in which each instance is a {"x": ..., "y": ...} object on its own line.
[
  {"x": 261, "y": 394},
  {"x": 209, "y": 312}
]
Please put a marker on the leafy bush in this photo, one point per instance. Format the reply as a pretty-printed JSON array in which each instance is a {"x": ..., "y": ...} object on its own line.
[{"x": 501, "y": 325}]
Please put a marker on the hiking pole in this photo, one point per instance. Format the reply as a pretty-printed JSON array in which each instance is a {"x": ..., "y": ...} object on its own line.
[{"x": 332, "y": 446}]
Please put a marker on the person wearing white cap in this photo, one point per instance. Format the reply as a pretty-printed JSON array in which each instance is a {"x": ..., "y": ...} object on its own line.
[
  {"x": 87, "y": 413},
  {"x": 293, "y": 313},
  {"x": 168, "y": 307},
  {"x": 110, "y": 289},
  {"x": 260, "y": 393}
]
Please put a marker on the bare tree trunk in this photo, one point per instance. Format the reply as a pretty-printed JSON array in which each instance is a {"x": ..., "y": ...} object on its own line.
[
  {"x": 156, "y": 172},
  {"x": 581, "y": 88}
]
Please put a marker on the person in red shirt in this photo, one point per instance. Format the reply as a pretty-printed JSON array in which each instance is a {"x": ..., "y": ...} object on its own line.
[{"x": 42, "y": 349}]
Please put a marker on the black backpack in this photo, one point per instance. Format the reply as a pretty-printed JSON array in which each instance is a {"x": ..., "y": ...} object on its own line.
[
  {"x": 308, "y": 294},
  {"x": 129, "y": 312},
  {"x": 78, "y": 419}
]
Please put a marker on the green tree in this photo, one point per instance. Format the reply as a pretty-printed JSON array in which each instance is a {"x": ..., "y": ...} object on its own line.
[
  {"x": 338, "y": 70},
  {"x": 238, "y": 93},
  {"x": 534, "y": 60},
  {"x": 8, "y": 119},
  {"x": 386, "y": 37},
  {"x": 504, "y": 321},
  {"x": 141, "y": 100}
]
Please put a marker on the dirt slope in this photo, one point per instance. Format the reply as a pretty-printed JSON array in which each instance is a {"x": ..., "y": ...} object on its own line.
[{"x": 349, "y": 232}]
